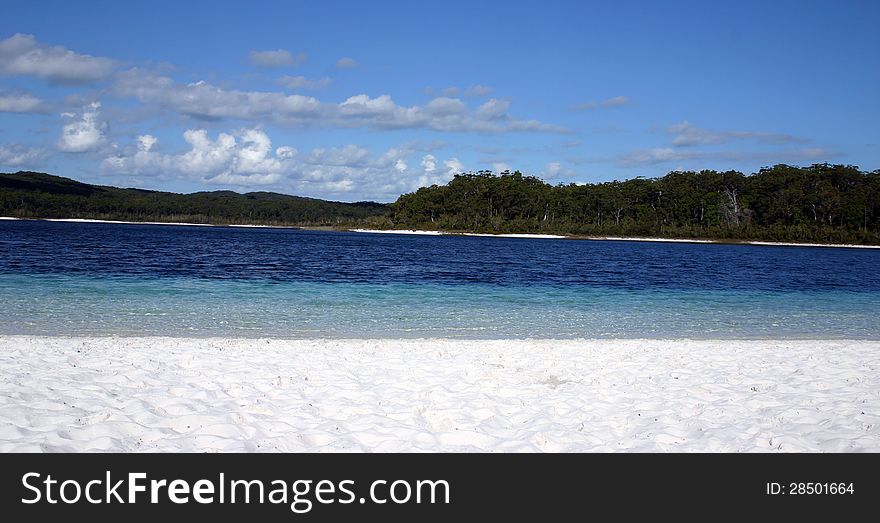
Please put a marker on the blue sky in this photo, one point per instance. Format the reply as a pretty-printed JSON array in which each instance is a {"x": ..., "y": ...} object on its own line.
[{"x": 366, "y": 100}]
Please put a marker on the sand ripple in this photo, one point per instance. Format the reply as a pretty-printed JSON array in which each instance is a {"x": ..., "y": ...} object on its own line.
[{"x": 206, "y": 395}]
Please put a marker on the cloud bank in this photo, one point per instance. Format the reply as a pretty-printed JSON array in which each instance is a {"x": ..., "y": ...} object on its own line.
[{"x": 21, "y": 54}]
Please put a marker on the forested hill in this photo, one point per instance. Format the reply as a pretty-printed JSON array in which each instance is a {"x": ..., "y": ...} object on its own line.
[
  {"x": 38, "y": 195},
  {"x": 820, "y": 203}
]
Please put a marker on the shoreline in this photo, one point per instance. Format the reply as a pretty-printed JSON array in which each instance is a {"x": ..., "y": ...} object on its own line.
[
  {"x": 615, "y": 238},
  {"x": 187, "y": 224},
  {"x": 88, "y": 394},
  {"x": 417, "y": 232}
]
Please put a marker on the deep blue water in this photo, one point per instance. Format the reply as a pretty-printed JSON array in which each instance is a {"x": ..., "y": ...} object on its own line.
[{"x": 100, "y": 279}]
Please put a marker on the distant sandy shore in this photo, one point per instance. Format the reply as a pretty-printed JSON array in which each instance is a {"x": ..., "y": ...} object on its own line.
[
  {"x": 444, "y": 233},
  {"x": 176, "y": 394},
  {"x": 616, "y": 238}
]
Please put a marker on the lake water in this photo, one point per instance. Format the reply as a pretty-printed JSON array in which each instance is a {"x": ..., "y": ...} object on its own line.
[{"x": 61, "y": 278}]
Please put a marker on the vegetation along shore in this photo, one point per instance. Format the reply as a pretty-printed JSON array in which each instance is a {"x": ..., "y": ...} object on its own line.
[{"x": 822, "y": 203}]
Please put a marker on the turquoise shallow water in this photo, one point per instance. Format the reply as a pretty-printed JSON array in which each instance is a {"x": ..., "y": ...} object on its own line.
[
  {"x": 86, "y": 305},
  {"x": 103, "y": 279}
]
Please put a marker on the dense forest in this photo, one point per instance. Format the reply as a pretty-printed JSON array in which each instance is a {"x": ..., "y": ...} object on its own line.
[
  {"x": 37, "y": 195},
  {"x": 821, "y": 203}
]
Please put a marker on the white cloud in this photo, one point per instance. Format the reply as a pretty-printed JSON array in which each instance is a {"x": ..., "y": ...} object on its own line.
[
  {"x": 616, "y": 101},
  {"x": 556, "y": 171},
  {"x": 429, "y": 163},
  {"x": 453, "y": 166},
  {"x": 363, "y": 105},
  {"x": 15, "y": 155},
  {"x": 685, "y": 134},
  {"x": 20, "y": 103},
  {"x": 444, "y": 106},
  {"x": 301, "y": 82},
  {"x": 276, "y": 58},
  {"x": 242, "y": 160},
  {"x": 146, "y": 142},
  {"x": 500, "y": 167},
  {"x": 202, "y": 100},
  {"x": 450, "y": 91},
  {"x": 348, "y": 155},
  {"x": 346, "y": 63},
  {"x": 245, "y": 159},
  {"x": 205, "y": 101},
  {"x": 144, "y": 160},
  {"x": 493, "y": 109},
  {"x": 658, "y": 155},
  {"x": 206, "y": 156},
  {"x": 84, "y": 133},
  {"x": 285, "y": 152},
  {"x": 22, "y": 54}
]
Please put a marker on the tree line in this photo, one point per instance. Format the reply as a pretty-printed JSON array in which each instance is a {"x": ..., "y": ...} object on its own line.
[
  {"x": 820, "y": 203},
  {"x": 39, "y": 195}
]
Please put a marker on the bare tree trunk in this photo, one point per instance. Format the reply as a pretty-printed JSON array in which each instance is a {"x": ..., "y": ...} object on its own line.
[{"x": 732, "y": 203}]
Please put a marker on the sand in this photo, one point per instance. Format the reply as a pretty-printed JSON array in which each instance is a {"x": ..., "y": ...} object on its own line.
[
  {"x": 505, "y": 235},
  {"x": 208, "y": 395},
  {"x": 614, "y": 238}
]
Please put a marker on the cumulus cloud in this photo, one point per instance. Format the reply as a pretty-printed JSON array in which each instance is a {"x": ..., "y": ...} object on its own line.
[
  {"x": 85, "y": 132},
  {"x": 453, "y": 166},
  {"x": 16, "y": 155},
  {"x": 685, "y": 134},
  {"x": 301, "y": 82},
  {"x": 22, "y": 54},
  {"x": 206, "y": 156},
  {"x": 346, "y": 63},
  {"x": 276, "y": 58},
  {"x": 11, "y": 102},
  {"x": 246, "y": 159},
  {"x": 429, "y": 163},
  {"x": 616, "y": 101},
  {"x": 243, "y": 160}
]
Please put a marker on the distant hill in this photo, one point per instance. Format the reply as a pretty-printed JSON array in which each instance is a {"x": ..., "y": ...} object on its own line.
[{"x": 40, "y": 195}]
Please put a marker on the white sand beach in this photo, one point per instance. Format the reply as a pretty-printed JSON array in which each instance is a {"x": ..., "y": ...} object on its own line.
[
  {"x": 611, "y": 238},
  {"x": 445, "y": 233},
  {"x": 206, "y": 395},
  {"x": 694, "y": 240}
]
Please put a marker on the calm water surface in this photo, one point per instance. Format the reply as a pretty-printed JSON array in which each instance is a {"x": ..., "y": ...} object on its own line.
[{"x": 103, "y": 279}]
